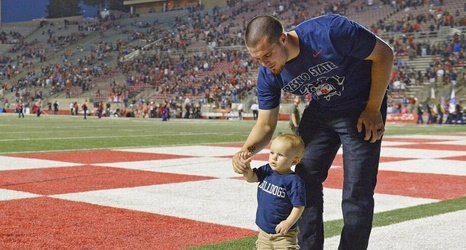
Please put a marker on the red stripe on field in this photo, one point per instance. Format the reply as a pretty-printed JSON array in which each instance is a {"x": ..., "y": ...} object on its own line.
[
  {"x": 46, "y": 223},
  {"x": 455, "y": 158},
  {"x": 48, "y": 181},
  {"x": 99, "y": 156},
  {"x": 445, "y": 147},
  {"x": 431, "y": 186},
  {"x": 238, "y": 178}
]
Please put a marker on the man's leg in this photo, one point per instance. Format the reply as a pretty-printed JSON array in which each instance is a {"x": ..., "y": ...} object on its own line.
[
  {"x": 360, "y": 166},
  {"x": 360, "y": 160},
  {"x": 322, "y": 144}
]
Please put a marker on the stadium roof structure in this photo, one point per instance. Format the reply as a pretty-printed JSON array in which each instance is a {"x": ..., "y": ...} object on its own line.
[
  {"x": 143, "y": 6},
  {"x": 130, "y": 2}
]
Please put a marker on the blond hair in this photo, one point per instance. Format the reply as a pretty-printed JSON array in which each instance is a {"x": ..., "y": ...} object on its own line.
[{"x": 294, "y": 142}]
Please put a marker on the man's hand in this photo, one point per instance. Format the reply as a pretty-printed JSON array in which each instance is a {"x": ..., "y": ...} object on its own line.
[{"x": 373, "y": 124}]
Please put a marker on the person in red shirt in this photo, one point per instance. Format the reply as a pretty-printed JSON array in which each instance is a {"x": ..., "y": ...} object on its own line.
[
  {"x": 19, "y": 108},
  {"x": 100, "y": 109},
  {"x": 84, "y": 107}
]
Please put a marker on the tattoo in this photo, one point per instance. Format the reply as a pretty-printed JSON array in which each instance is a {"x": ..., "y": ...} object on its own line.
[{"x": 251, "y": 149}]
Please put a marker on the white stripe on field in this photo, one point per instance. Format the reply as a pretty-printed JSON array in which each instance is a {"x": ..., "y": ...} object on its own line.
[
  {"x": 229, "y": 202},
  {"x": 444, "y": 231}
]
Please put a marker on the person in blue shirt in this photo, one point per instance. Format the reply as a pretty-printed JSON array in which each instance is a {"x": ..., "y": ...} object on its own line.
[
  {"x": 345, "y": 68},
  {"x": 281, "y": 196}
]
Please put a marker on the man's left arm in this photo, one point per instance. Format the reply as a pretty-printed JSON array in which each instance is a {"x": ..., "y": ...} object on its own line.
[{"x": 371, "y": 118}]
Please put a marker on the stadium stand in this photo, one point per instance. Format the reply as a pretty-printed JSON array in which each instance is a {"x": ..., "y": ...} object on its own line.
[{"x": 197, "y": 52}]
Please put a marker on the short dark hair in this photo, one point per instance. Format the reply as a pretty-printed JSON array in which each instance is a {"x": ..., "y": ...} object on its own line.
[{"x": 263, "y": 26}]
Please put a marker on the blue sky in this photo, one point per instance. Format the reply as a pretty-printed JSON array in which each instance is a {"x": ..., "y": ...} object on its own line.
[{"x": 26, "y": 10}]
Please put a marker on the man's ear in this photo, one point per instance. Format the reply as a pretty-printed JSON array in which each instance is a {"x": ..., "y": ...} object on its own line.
[{"x": 283, "y": 38}]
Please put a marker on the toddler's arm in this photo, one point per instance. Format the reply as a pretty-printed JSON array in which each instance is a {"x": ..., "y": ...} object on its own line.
[
  {"x": 285, "y": 225},
  {"x": 250, "y": 175}
]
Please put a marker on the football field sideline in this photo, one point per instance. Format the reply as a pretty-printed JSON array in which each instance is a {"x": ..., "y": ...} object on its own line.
[{"x": 148, "y": 198}]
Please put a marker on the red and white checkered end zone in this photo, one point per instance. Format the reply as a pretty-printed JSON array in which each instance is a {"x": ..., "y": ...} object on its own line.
[{"x": 178, "y": 197}]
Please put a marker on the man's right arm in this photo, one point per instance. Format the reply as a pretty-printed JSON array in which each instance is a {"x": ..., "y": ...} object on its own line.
[{"x": 258, "y": 138}]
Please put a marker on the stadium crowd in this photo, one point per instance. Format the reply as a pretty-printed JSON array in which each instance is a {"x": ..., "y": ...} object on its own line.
[{"x": 201, "y": 55}]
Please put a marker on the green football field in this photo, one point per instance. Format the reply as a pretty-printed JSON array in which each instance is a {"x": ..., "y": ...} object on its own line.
[
  {"x": 68, "y": 133},
  {"x": 65, "y": 133}
]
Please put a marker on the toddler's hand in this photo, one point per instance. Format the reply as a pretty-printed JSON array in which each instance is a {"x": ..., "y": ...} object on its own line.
[
  {"x": 283, "y": 227},
  {"x": 241, "y": 162}
]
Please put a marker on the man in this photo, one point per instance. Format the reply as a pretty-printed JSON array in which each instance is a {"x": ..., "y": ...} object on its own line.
[
  {"x": 84, "y": 107},
  {"x": 240, "y": 111},
  {"x": 255, "y": 110},
  {"x": 55, "y": 107},
  {"x": 20, "y": 108},
  {"x": 346, "y": 69},
  {"x": 72, "y": 108},
  {"x": 295, "y": 115},
  {"x": 187, "y": 107}
]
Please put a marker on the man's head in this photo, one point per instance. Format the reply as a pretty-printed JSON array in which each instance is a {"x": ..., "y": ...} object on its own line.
[
  {"x": 265, "y": 38},
  {"x": 263, "y": 27}
]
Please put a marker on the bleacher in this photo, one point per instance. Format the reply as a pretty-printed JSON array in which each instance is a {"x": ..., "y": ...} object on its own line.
[{"x": 120, "y": 32}]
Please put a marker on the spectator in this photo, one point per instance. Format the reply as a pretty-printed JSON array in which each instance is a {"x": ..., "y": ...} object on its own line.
[
  {"x": 76, "y": 108},
  {"x": 165, "y": 112},
  {"x": 430, "y": 116},
  {"x": 440, "y": 112},
  {"x": 55, "y": 107},
  {"x": 240, "y": 111},
  {"x": 295, "y": 115},
  {"x": 459, "y": 114},
  {"x": 255, "y": 110},
  {"x": 100, "y": 109},
  {"x": 38, "y": 108},
  {"x": 84, "y": 108},
  {"x": 420, "y": 112},
  {"x": 20, "y": 108},
  {"x": 71, "y": 108}
]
